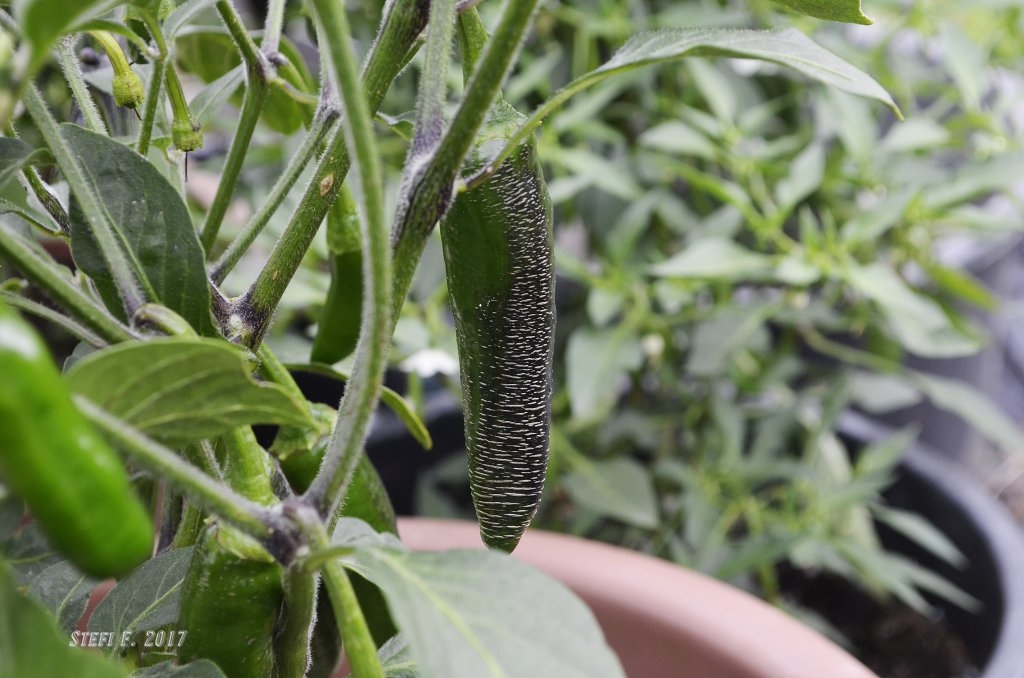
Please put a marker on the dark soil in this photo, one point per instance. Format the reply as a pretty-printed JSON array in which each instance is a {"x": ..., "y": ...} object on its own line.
[{"x": 890, "y": 638}]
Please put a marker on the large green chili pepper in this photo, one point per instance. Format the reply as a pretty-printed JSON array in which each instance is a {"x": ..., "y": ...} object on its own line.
[
  {"x": 72, "y": 481},
  {"x": 498, "y": 257}
]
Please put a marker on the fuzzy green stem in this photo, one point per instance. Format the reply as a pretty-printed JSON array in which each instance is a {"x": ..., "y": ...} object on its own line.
[
  {"x": 363, "y": 389},
  {"x": 360, "y": 649},
  {"x": 322, "y": 124},
  {"x": 46, "y": 313},
  {"x": 152, "y": 99},
  {"x": 207, "y": 493},
  {"x": 434, "y": 79},
  {"x": 72, "y": 70},
  {"x": 390, "y": 53},
  {"x": 273, "y": 26},
  {"x": 46, "y": 274},
  {"x": 252, "y": 107},
  {"x": 292, "y": 646},
  {"x": 236, "y": 28},
  {"x": 47, "y": 199}
]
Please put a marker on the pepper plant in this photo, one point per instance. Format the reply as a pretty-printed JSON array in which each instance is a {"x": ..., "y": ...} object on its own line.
[{"x": 174, "y": 371}]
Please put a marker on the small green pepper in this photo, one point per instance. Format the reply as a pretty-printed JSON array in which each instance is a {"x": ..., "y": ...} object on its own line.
[{"x": 72, "y": 481}]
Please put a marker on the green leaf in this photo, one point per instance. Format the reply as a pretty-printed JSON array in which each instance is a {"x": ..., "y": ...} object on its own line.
[
  {"x": 847, "y": 11},
  {"x": 181, "y": 390},
  {"x": 617, "y": 488},
  {"x": 16, "y": 155},
  {"x": 30, "y": 644},
  {"x": 716, "y": 340},
  {"x": 806, "y": 173},
  {"x": 975, "y": 408},
  {"x": 596, "y": 362},
  {"x": 151, "y": 222},
  {"x": 202, "y": 668},
  {"x": 29, "y": 553},
  {"x": 922, "y": 532},
  {"x": 181, "y": 15},
  {"x": 146, "y": 599},
  {"x": 880, "y": 393},
  {"x": 474, "y": 614},
  {"x": 208, "y": 103},
  {"x": 64, "y": 591},
  {"x": 918, "y": 323},
  {"x": 714, "y": 258},
  {"x": 44, "y": 21}
]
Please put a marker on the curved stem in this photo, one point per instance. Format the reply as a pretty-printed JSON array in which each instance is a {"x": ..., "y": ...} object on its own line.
[
  {"x": 361, "y": 395},
  {"x": 46, "y": 313},
  {"x": 156, "y": 80},
  {"x": 360, "y": 649},
  {"x": 79, "y": 89},
  {"x": 322, "y": 124}
]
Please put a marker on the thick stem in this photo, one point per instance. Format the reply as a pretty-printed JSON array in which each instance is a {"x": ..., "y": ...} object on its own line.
[
  {"x": 79, "y": 89},
  {"x": 293, "y": 656},
  {"x": 236, "y": 28},
  {"x": 207, "y": 493},
  {"x": 322, "y": 124},
  {"x": 434, "y": 79},
  {"x": 274, "y": 26},
  {"x": 389, "y": 54},
  {"x": 252, "y": 107},
  {"x": 360, "y": 650},
  {"x": 363, "y": 389},
  {"x": 45, "y": 274}
]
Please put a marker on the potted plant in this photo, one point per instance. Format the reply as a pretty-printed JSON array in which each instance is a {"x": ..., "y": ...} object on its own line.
[{"x": 217, "y": 543}]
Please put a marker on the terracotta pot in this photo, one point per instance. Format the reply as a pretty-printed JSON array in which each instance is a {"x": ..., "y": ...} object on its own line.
[{"x": 662, "y": 620}]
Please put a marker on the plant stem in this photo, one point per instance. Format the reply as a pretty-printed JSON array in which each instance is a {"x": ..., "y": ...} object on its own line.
[
  {"x": 363, "y": 389},
  {"x": 360, "y": 649},
  {"x": 434, "y": 79},
  {"x": 322, "y": 124},
  {"x": 389, "y": 54},
  {"x": 207, "y": 493},
  {"x": 47, "y": 199},
  {"x": 252, "y": 107},
  {"x": 236, "y": 28},
  {"x": 79, "y": 89},
  {"x": 152, "y": 99},
  {"x": 273, "y": 26},
  {"x": 57, "y": 284},
  {"x": 46, "y": 313},
  {"x": 425, "y": 200},
  {"x": 292, "y": 646}
]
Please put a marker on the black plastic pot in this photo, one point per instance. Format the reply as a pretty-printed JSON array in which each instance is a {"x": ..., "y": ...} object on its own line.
[{"x": 946, "y": 494}]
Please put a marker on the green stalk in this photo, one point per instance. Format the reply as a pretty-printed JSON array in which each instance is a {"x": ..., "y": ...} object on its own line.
[
  {"x": 47, "y": 199},
  {"x": 46, "y": 313},
  {"x": 79, "y": 89},
  {"x": 45, "y": 274},
  {"x": 360, "y": 649},
  {"x": 322, "y": 124},
  {"x": 207, "y": 493},
  {"x": 390, "y": 53},
  {"x": 236, "y": 28},
  {"x": 273, "y": 27},
  {"x": 292, "y": 646},
  {"x": 363, "y": 389},
  {"x": 152, "y": 99},
  {"x": 425, "y": 200},
  {"x": 434, "y": 79}
]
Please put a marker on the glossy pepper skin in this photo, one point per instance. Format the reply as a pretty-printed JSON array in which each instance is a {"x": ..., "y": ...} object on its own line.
[
  {"x": 498, "y": 259},
  {"x": 72, "y": 481},
  {"x": 232, "y": 596}
]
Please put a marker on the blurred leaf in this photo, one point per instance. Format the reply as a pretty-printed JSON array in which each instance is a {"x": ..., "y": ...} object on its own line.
[
  {"x": 147, "y": 598},
  {"x": 975, "y": 408},
  {"x": 616, "y": 488},
  {"x": 806, "y": 173},
  {"x": 30, "y": 644},
  {"x": 211, "y": 99},
  {"x": 973, "y": 179},
  {"x": 881, "y": 393},
  {"x": 713, "y": 258},
  {"x": 678, "y": 137},
  {"x": 202, "y": 668},
  {"x": 918, "y": 322},
  {"x": 848, "y": 11},
  {"x": 596, "y": 363},
  {"x": 916, "y": 134},
  {"x": 182, "y": 390},
  {"x": 717, "y": 338},
  {"x": 966, "y": 61},
  {"x": 16, "y": 155},
  {"x": 44, "y": 21},
  {"x": 962, "y": 285},
  {"x": 921, "y": 532},
  {"x": 870, "y": 224},
  {"x": 471, "y": 614}
]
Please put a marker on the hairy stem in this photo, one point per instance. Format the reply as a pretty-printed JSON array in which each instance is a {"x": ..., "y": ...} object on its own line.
[
  {"x": 293, "y": 654},
  {"x": 322, "y": 125},
  {"x": 79, "y": 89},
  {"x": 390, "y": 53},
  {"x": 363, "y": 389}
]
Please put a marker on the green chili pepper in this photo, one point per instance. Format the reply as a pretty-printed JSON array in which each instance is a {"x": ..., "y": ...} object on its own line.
[
  {"x": 127, "y": 87},
  {"x": 498, "y": 259},
  {"x": 70, "y": 478},
  {"x": 338, "y": 329},
  {"x": 232, "y": 596}
]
